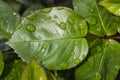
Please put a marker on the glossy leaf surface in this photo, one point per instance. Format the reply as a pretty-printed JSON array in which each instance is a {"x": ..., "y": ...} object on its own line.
[
  {"x": 100, "y": 21},
  {"x": 33, "y": 71},
  {"x": 8, "y": 20},
  {"x": 16, "y": 71},
  {"x": 104, "y": 62},
  {"x": 112, "y": 6},
  {"x": 53, "y": 36},
  {"x": 1, "y": 63}
]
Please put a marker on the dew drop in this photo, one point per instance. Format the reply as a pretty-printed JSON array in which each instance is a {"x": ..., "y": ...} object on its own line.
[
  {"x": 45, "y": 46},
  {"x": 73, "y": 53},
  {"x": 91, "y": 10},
  {"x": 30, "y": 28},
  {"x": 31, "y": 17},
  {"x": 55, "y": 16},
  {"x": 47, "y": 10},
  {"x": 98, "y": 29},
  {"x": 83, "y": 56},
  {"x": 62, "y": 25},
  {"x": 16, "y": 61},
  {"x": 70, "y": 20},
  {"x": 14, "y": 14},
  {"x": 117, "y": 67},
  {"x": 77, "y": 61},
  {"x": 60, "y": 8},
  {"x": 98, "y": 76},
  {"x": 19, "y": 26},
  {"x": 76, "y": 43},
  {"x": 64, "y": 65},
  {"x": 91, "y": 20},
  {"x": 98, "y": 48}
]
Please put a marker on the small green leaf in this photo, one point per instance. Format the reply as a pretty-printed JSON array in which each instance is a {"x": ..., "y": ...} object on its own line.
[
  {"x": 16, "y": 71},
  {"x": 112, "y": 6},
  {"x": 8, "y": 20},
  {"x": 33, "y": 71},
  {"x": 100, "y": 21},
  {"x": 104, "y": 62},
  {"x": 53, "y": 36},
  {"x": 1, "y": 63}
]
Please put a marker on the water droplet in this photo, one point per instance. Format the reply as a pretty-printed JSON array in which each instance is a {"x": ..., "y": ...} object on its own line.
[
  {"x": 45, "y": 46},
  {"x": 55, "y": 16},
  {"x": 77, "y": 61},
  {"x": 47, "y": 10},
  {"x": 91, "y": 10},
  {"x": 99, "y": 29},
  {"x": 117, "y": 67},
  {"x": 83, "y": 56},
  {"x": 91, "y": 20},
  {"x": 81, "y": 26},
  {"x": 30, "y": 28},
  {"x": 41, "y": 78},
  {"x": 98, "y": 48},
  {"x": 73, "y": 53},
  {"x": 31, "y": 17},
  {"x": 19, "y": 26},
  {"x": 98, "y": 76},
  {"x": 60, "y": 8},
  {"x": 14, "y": 14},
  {"x": 76, "y": 43},
  {"x": 16, "y": 61},
  {"x": 62, "y": 25},
  {"x": 64, "y": 65},
  {"x": 70, "y": 20}
]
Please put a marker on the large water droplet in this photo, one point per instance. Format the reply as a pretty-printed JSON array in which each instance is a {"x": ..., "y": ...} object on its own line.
[
  {"x": 98, "y": 76},
  {"x": 77, "y": 61},
  {"x": 64, "y": 65},
  {"x": 30, "y": 28},
  {"x": 117, "y": 67},
  {"x": 31, "y": 17},
  {"x": 70, "y": 20},
  {"x": 62, "y": 25},
  {"x": 47, "y": 10},
  {"x": 60, "y": 8},
  {"x": 92, "y": 20}
]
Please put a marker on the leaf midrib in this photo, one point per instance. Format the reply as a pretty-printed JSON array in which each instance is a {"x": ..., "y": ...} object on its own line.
[{"x": 103, "y": 26}]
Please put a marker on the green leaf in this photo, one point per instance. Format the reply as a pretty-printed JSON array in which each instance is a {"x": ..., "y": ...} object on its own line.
[
  {"x": 16, "y": 71},
  {"x": 112, "y": 6},
  {"x": 1, "y": 63},
  {"x": 52, "y": 36},
  {"x": 100, "y": 21},
  {"x": 8, "y": 20},
  {"x": 33, "y": 71},
  {"x": 104, "y": 62}
]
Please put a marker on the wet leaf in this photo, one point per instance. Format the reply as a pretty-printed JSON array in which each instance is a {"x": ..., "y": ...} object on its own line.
[
  {"x": 52, "y": 36},
  {"x": 104, "y": 62},
  {"x": 112, "y": 6},
  {"x": 8, "y": 20},
  {"x": 100, "y": 21},
  {"x": 33, "y": 71}
]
